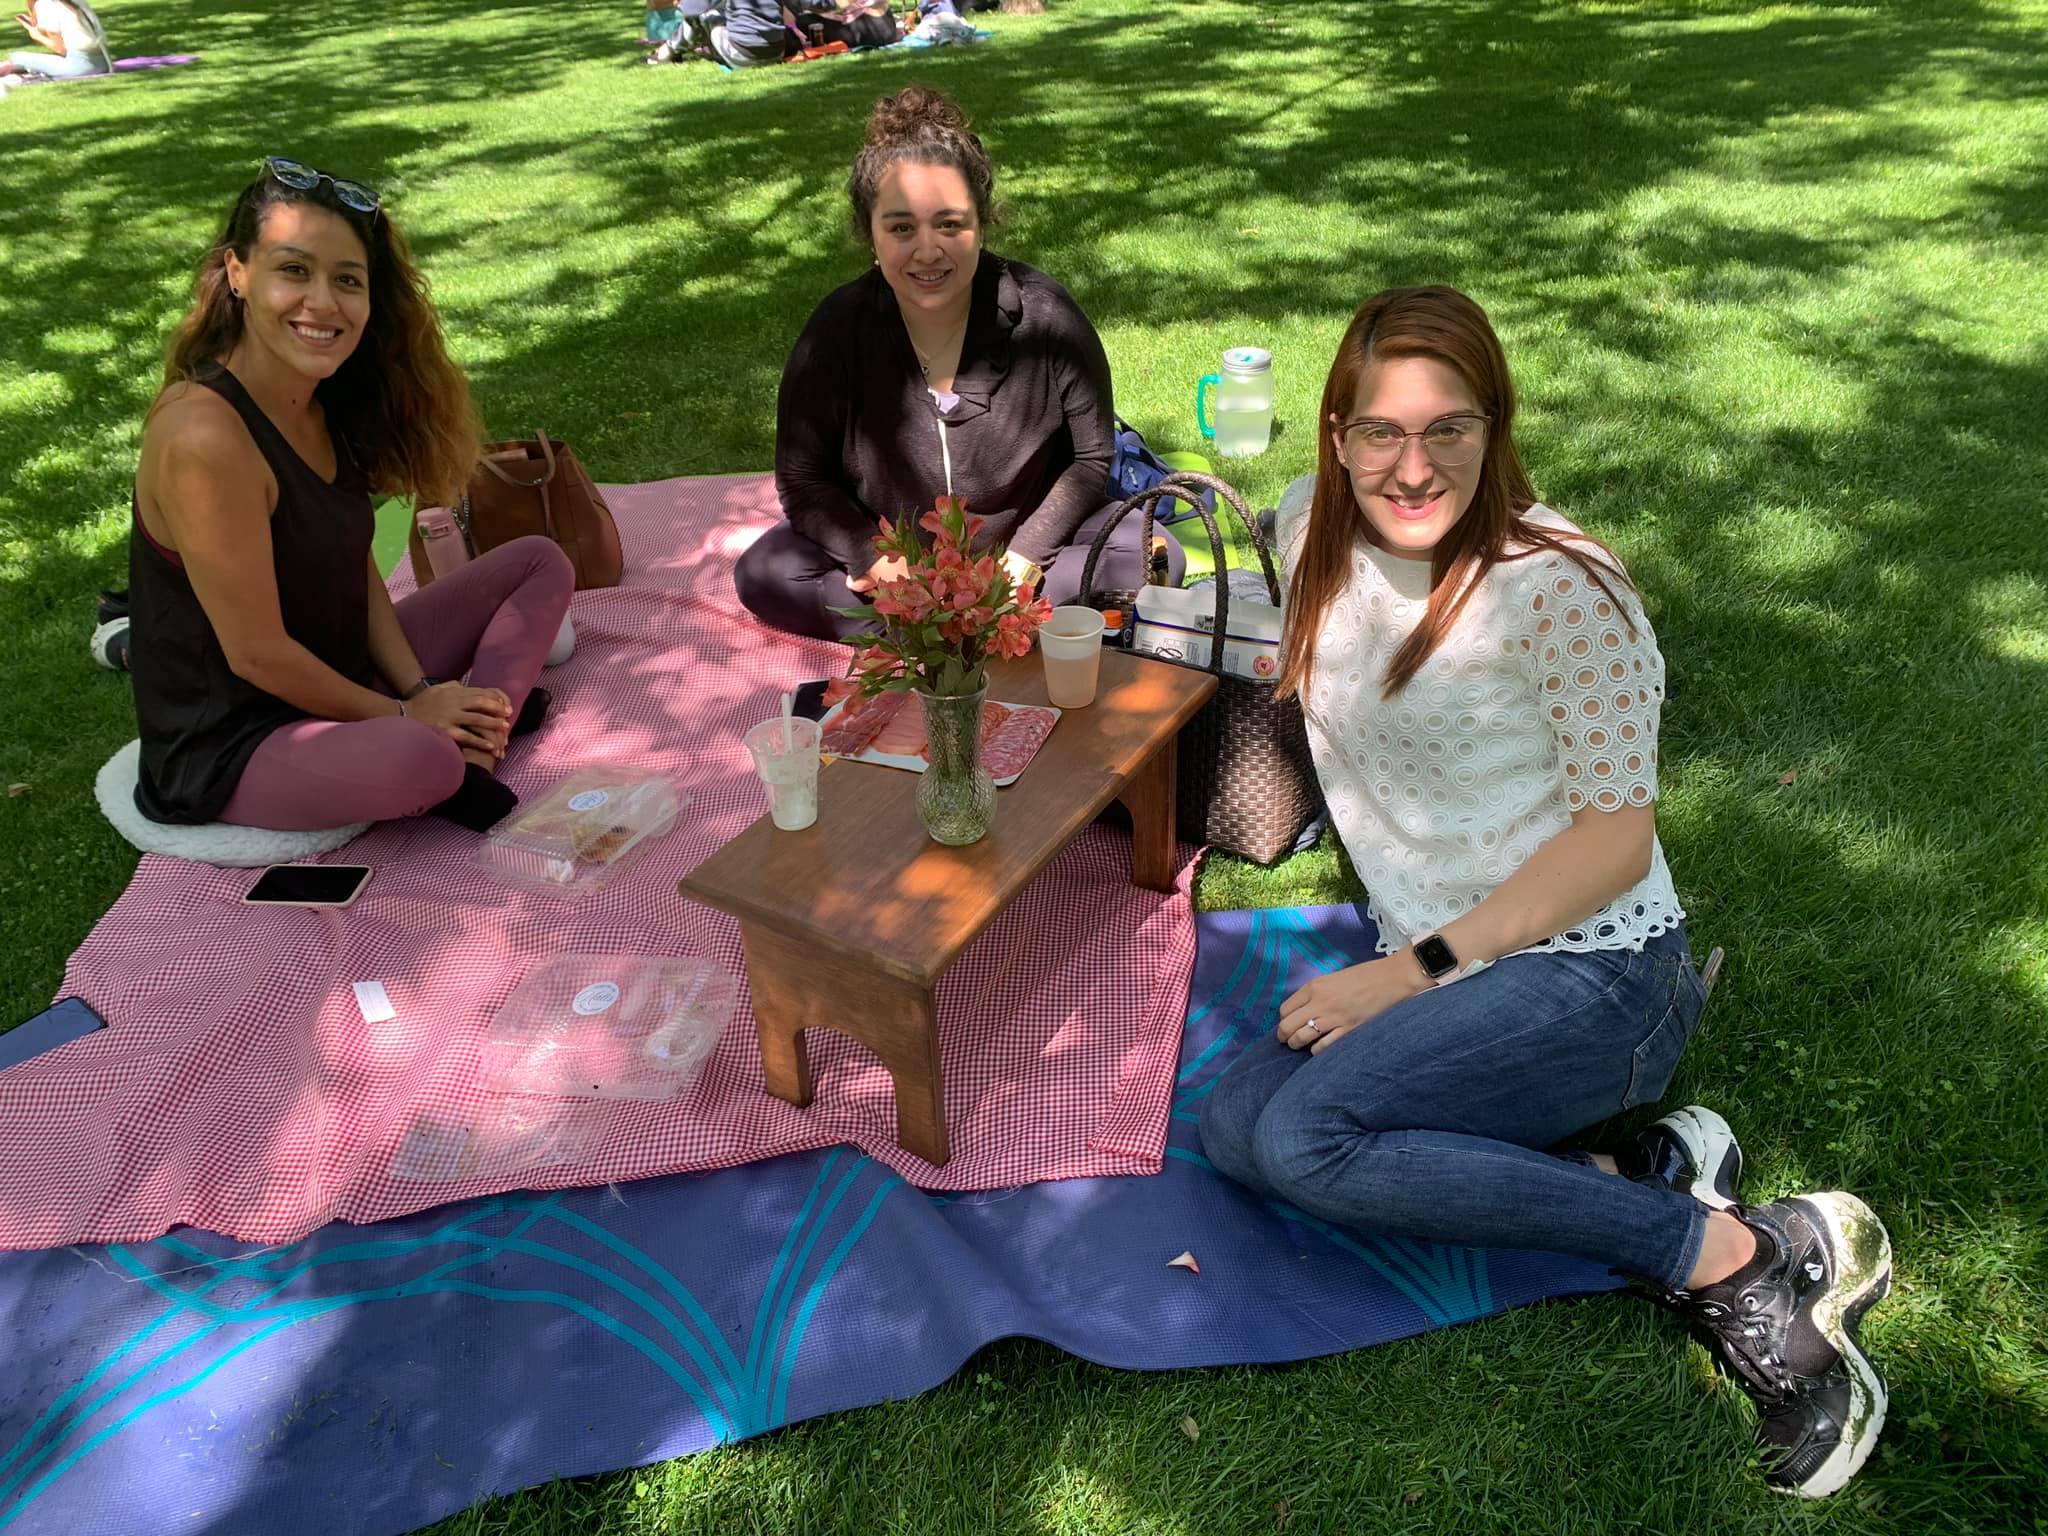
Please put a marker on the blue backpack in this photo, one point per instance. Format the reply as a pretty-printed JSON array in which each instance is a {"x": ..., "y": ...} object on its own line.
[{"x": 1134, "y": 467}]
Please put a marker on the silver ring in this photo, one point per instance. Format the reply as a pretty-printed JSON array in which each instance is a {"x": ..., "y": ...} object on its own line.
[{"x": 1312, "y": 1024}]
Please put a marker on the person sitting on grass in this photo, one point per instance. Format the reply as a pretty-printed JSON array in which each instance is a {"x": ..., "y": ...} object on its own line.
[
  {"x": 943, "y": 368},
  {"x": 856, "y": 23},
  {"x": 72, "y": 33},
  {"x": 1482, "y": 691},
  {"x": 276, "y": 683},
  {"x": 665, "y": 30},
  {"x": 741, "y": 33}
]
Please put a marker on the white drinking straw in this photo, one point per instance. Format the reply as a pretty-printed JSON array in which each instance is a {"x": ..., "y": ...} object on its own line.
[{"x": 788, "y": 714}]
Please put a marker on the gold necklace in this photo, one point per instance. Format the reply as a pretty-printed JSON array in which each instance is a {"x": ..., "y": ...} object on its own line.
[{"x": 924, "y": 360}]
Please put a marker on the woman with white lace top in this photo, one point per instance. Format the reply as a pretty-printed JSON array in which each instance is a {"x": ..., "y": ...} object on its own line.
[{"x": 1482, "y": 691}]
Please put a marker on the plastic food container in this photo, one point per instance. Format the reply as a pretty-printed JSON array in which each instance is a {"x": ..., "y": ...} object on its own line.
[
  {"x": 582, "y": 832},
  {"x": 609, "y": 1027},
  {"x": 496, "y": 1141}
]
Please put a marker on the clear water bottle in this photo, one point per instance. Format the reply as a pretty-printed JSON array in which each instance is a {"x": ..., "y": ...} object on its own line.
[{"x": 1243, "y": 418}]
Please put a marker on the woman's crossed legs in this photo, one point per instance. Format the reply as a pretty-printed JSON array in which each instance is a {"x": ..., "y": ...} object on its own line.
[{"x": 494, "y": 620}]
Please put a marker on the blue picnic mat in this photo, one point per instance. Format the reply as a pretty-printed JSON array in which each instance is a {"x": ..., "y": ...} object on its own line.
[{"x": 371, "y": 1380}]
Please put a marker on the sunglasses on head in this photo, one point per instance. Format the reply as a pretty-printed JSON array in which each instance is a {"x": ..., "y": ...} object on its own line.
[{"x": 304, "y": 178}]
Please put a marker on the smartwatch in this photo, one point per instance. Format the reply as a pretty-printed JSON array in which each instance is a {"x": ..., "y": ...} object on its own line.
[
  {"x": 1439, "y": 961},
  {"x": 420, "y": 687}
]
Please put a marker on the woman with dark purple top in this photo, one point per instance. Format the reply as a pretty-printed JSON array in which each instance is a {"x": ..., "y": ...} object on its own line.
[{"x": 943, "y": 368}]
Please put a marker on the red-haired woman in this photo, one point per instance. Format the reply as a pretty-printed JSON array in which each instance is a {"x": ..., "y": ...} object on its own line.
[
  {"x": 276, "y": 684},
  {"x": 1482, "y": 690}
]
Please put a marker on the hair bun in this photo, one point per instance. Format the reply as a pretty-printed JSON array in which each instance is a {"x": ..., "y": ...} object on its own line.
[
  {"x": 913, "y": 113},
  {"x": 924, "y": 126}
]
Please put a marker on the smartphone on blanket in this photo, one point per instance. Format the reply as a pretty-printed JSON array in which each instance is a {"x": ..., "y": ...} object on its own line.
[{"x": 309, "y": 885}]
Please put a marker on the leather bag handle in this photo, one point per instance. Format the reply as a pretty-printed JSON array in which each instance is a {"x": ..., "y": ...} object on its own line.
[{"x": 547, "y": 454}]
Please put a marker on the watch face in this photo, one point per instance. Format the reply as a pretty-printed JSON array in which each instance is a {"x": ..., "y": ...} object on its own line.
[{"x": 1436, "y": 956}]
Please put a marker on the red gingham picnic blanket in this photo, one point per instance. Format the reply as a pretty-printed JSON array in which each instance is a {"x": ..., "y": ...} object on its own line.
[{"x": 239, "y": 1088}]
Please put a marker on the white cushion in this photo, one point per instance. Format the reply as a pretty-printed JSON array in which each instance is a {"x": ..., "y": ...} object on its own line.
[
  {"x": 216, "y": 842},
  {"x": 565, "y": 643}
]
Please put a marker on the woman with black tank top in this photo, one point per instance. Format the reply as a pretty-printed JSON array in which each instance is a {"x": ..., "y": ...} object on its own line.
[{"x": 276, "y": 683}]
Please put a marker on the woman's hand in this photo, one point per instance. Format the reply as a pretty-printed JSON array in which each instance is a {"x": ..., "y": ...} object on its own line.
[
  {"x": 888, "y": 568},
  {"x": 1330, "y": 1007},
  {"x": 475, "y": 719}
]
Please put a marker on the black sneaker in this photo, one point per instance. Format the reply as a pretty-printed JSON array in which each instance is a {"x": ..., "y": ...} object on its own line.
[
  {"x": 1692, "y": 1151},
  {"x": 533, "y": 713},
  {"x": 111, "y": 605},
  {"x": 1788, "y": 1334}
]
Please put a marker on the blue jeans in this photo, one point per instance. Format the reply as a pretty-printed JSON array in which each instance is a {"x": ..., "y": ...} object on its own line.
[
  {"x": 1429, "y": 1121},
  {"x": 52, "y": 66}
]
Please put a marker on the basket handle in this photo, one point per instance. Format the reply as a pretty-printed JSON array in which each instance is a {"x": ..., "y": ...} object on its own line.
[{"x": 1148, "y": 498}]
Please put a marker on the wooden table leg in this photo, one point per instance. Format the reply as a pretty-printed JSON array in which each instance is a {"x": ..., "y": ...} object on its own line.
[
  {"x": 1148, "y": 795},
  {"x": 796, "y": 988}
]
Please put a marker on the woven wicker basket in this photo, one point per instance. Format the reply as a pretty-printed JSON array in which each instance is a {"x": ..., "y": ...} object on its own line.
[{"x": 1246, "y": 782}]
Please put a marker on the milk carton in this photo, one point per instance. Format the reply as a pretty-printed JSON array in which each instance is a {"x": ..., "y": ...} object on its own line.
[{"x": 1177, "y": 625}]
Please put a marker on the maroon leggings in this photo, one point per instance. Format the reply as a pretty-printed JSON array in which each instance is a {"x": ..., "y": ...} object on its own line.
[{"x": 494, "y": 619}]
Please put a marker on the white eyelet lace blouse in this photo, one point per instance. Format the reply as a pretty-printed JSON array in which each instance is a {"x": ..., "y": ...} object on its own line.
[{"x": 1538, "y": 704}]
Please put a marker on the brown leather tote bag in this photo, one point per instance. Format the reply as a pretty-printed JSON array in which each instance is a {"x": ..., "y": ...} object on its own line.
[{"x": 535, "y": 486}]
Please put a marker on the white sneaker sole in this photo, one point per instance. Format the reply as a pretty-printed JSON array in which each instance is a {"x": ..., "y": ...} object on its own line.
[
  {"x": 1710, "y": 1146},
  {"x": 101, "y": 636},
  {"x": 1862, "y": 1251}
]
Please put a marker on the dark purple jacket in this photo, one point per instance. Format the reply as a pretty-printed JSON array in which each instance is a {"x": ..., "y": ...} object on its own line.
[{"x": 857, "y": 434}]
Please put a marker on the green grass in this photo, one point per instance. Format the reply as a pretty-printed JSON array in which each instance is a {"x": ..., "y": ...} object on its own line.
[{"x": 1773, "y": 281}]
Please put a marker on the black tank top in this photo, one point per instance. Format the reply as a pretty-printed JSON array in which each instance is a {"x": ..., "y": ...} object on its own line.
[{"x": 200, "y": 723}]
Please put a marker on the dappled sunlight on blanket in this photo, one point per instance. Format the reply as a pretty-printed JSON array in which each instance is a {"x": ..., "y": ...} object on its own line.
[{"x": 240, "y": 1088}]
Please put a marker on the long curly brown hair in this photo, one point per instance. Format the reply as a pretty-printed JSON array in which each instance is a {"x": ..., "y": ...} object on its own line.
[
  {"x": 1443, "y": 324},
  {"x": 399, "y": 401}
]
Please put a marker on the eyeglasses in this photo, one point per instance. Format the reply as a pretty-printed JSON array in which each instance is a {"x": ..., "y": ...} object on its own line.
[
  {"x": 1449, "y": 441},
  {"x": 303, "y": 178}
]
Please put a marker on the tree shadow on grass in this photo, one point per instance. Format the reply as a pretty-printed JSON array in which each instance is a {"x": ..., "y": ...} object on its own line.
[{"x": 1822, "y": 611}]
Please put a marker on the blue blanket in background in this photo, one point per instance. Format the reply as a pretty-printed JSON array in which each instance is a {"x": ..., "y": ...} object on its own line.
[{"x": 371, "y": 1380}]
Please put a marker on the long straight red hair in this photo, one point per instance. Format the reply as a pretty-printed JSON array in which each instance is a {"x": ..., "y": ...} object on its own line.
[{"x": 1443, "y": 324}]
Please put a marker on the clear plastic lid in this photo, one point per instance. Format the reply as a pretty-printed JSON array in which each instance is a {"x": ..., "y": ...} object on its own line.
[
  {"x": 608, "y": 1027},
  {"x": 1248, "y": 360},
  {"x": 494, "y": 1140},
  {"x": 578, "y": 835}
]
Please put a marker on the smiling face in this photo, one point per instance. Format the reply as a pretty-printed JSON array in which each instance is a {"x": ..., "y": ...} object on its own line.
[
  {"x": 305, "y": 290},
  {"x": 927, "y": 237},
  {"x": 1414, "y": 502}
]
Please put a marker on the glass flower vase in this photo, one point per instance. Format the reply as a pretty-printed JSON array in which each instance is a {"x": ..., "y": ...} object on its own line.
[{"x": 956, "y": 797}]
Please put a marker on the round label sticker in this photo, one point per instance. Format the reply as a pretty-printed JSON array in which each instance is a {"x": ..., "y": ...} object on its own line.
[
  {"x": 589, "y": 800},
  {"x": 599, "y": 995}
]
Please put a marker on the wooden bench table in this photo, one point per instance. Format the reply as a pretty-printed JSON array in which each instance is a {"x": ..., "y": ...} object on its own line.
[{"x": 849, "y": 923}]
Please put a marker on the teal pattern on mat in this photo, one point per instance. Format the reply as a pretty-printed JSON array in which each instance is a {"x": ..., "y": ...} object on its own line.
[
  {"x": 159, "y": 1386},
  {"x": 736, "y": 1399}
]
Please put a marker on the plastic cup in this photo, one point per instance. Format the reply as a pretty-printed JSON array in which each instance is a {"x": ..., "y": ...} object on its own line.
[
  {"x": 1071, "y": 643},
  {"x": 786, "y": 756}
]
